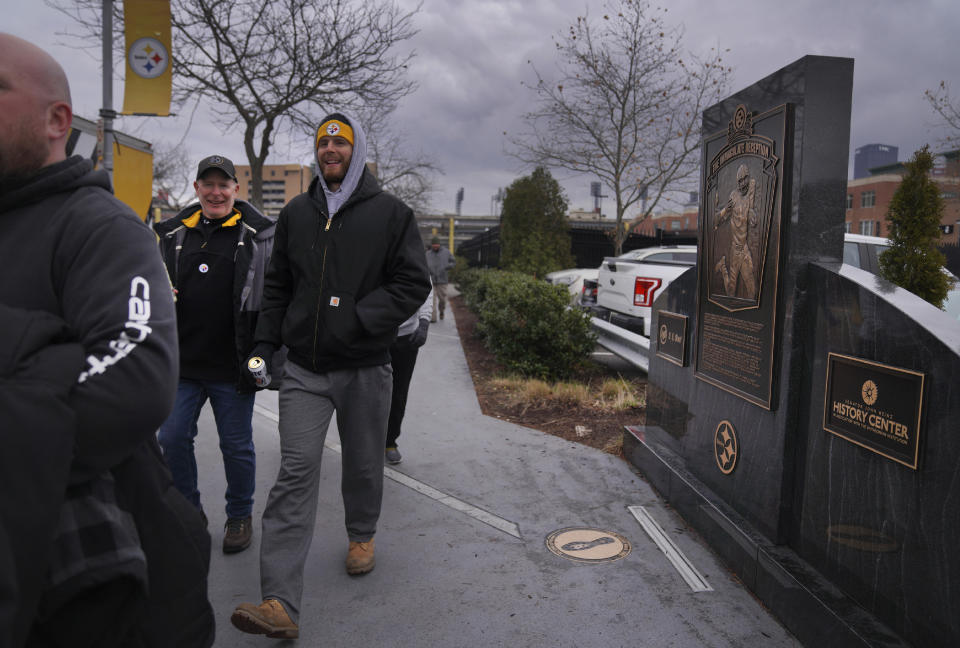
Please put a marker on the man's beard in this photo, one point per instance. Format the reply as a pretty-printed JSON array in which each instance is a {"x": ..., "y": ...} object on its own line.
[
  {"x": 22, "y": 155},
  {"x": 331, "y": 178}
]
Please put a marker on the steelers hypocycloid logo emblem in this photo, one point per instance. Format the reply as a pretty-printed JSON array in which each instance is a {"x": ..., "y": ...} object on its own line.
[
  {"x": 869, "y": 392},
  {"x": 740, "y": 117},
  {"x": 726, "y": 448},
  {"x": 148, "y": 58},
  {"x": 216, "y": 159},
  {"x": 203, "y": 268},
  {"x": 663, "y": 334},
  {"x": 333, "y": 129}
]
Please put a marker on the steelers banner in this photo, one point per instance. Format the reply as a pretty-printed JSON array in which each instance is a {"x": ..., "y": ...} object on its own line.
[{"x": 147, "y": 37}]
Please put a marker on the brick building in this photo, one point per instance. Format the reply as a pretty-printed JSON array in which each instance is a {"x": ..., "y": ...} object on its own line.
[
  {"x": 869, "y": 198},
  {"x": 281, "y": 182}
]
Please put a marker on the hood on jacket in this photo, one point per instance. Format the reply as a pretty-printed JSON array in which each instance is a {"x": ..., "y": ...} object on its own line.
[
  {"x": 358, "y": 162},
  {"x": 251, "y": 216},
  {"x": 68, "y": 175}
]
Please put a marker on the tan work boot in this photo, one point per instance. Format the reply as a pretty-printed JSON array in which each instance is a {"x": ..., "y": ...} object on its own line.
[
  {"x": 360, "y": 558},
  {"x": 269, "y": 618}
]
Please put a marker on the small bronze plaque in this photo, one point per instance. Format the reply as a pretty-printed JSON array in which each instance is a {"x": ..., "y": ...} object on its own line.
[
  {"x": 672, "y": 337},
  {"x": 726, "y": 447},
  {"x": 875, "y": 406}
]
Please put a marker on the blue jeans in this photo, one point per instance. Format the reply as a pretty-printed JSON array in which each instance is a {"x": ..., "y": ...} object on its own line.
[{"x": 233, "y": 413}]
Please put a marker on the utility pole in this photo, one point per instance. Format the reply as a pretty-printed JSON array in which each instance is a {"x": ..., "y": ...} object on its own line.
[
  {"x": 107, "y": 113},
  {"x": 453, "y": 221}
]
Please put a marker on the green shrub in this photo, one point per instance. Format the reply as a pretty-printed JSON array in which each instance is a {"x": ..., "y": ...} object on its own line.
[
  {"x": 475, "y": 285},
  {"x": 460, "y": 266},
  {"x": 913, "y": 261},
  {"x": 527, "y": 324}
]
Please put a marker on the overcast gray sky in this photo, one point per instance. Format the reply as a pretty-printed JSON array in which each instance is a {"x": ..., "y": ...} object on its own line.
[{"x": 472, "y": 56}]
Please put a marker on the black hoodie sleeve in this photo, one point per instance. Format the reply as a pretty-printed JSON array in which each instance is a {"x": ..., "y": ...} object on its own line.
[{"x": 116, "y": 298}]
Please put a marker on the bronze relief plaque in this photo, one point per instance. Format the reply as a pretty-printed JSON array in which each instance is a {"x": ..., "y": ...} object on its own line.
[
  {"x": 739, "y": 256},
  {"x": 875, "y": 406},
  {"x": 671, "y": 337}
]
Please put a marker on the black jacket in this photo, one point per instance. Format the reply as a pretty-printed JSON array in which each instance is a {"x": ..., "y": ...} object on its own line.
[
  {"x": 38, "y": 368},
  {"x": 337, "y": 289},
  {"x": 254, "y": 245},
  {"x": 74, "y": 251}
]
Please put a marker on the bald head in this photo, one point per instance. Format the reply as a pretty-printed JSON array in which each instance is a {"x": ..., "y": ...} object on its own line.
[
  {"x": 36, "y": 67},
  {"x": 35, "y": 112}
]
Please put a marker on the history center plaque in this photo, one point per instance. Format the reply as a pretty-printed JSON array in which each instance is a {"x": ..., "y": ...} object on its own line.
[
  {"x": 875, "y": 406},
  {"x": 739, "y": 254}
]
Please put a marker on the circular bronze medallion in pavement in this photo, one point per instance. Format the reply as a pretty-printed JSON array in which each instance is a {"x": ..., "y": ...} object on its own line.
[{"x": 586, "y": 545}]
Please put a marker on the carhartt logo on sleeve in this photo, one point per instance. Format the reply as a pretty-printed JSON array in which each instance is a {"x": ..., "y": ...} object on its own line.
[
  {"x": 334, "y": 301},
  {"x": 135, "y": 330}
]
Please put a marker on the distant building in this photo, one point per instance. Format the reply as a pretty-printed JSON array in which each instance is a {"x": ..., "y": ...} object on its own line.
[
  {"x": 868, "y": 199},
  {"x": 465, "y": 227},
  {"x": 281, "y": 182},
  {"x": 686, "y": 220},
  {"x": 585, "y": 216},
  {"x": 871, "y": 156},
  {"x": 683, "y": 221}
]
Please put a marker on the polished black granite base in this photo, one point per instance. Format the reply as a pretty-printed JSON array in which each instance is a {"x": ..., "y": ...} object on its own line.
[{"x": 815, "y": 611}]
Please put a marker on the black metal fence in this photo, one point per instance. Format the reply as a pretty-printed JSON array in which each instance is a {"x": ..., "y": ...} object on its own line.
[
  {"x": 483, "y": 250},
  {"x": 589, "y": 245},
  {"x": 952, "y": 252}
]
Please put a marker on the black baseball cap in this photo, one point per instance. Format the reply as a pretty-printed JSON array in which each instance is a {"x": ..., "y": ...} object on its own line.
[{"x": 216, "y": 162}]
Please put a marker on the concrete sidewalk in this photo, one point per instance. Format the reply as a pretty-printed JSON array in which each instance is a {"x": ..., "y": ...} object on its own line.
[{"x": 462, "y": 559}]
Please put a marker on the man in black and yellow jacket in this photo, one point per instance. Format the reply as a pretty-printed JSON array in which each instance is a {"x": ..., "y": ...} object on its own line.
[
  {"x": 347, "y": 269},
  {"x": 216, "y": 254}
]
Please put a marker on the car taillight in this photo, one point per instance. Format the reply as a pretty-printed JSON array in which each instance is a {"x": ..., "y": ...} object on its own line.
[{"x": 644, "y": 291}]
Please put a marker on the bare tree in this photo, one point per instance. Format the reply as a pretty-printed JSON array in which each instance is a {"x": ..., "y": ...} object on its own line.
[
  {"x": 407, "y": 174},
  {"x": 624, "y": 107},
  {"x": 270, "y": 65},
  {"x": 949, "y": 111},
  {"x": 172, "y": 176}
]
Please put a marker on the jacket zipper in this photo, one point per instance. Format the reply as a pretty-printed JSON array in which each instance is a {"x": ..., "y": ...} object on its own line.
[{"x": 323, "y": 267}]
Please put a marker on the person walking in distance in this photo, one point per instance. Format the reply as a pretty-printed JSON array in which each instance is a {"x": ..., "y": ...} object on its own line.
[
  {"x": 98, "y": 548},
  {"x": 216, "y": 254},
  {"x": 411, "y": 335},
  {"x": 440, "y": 261},
  {"x": 347, "y": 269}
]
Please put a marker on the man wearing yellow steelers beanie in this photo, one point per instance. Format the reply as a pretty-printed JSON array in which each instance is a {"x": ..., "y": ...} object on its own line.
[{"x": 348, "y": 267}]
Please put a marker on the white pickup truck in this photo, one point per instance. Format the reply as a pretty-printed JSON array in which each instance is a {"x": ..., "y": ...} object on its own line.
[{"x": 628, "y": 284}]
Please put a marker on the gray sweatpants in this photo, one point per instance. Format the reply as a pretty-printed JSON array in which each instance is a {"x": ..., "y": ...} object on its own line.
[{"x": 361, "y": 398}]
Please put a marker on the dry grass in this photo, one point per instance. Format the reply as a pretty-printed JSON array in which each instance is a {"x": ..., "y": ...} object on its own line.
[
  {"x": 612, "y": 394},
  {"x": 618, "y": 394}
]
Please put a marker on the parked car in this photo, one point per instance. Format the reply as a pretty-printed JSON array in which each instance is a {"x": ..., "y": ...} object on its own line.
[
  {"x": 573, "y": 279},
  {"x": 628, "y": 284},
  {"x": 863, "y": 252},
  {"x": 588, "y": 294}
]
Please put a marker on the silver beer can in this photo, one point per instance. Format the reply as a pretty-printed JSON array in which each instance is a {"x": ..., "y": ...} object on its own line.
[{"x": 258, "y": 369}]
